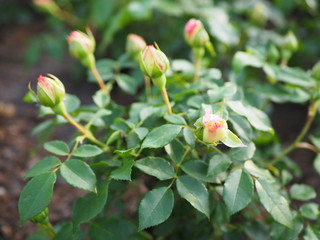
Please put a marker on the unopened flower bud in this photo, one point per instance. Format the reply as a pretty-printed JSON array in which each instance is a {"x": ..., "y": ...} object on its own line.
[
  {"x": 135, "y": 45},
  {"x": 41, "y": 218},
  {"x": 259, "y": 14},
  {"x": 50, "y": 91},
  {"x": 154, "y": 63},
  {"x": 48, "y": 6},
  {"x": 81, "y": 46},
  {"x": 290, "y": 42},
  {"x": 214, "y": 128}
]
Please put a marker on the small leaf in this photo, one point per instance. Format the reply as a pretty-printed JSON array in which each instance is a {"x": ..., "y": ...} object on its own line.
[
  {"x": 36, "y": 195},
  {"x": 189, "y": 136},
  {"x": 141, "y": 132},
  {"x": 127, "y": 83},
  {"x": 175, "y": 150},
  {"x": 232, "y": 140},
  {"x": 161, "y": 136},
  {"x": 89, "y": 206},
  {"x": 310, "y": 210},
  {"x": 242, "y": 154},
  {"x": 57, "y": 147},
  {"x": 43, "y": 166},
  {"x": 155, "y": 207},
  {"x": 195, "y": 193},
  {"x": 302, "y": 192},
  {"x": 175, "y": 119},
  {"x": 156, "y": 166},
  {"x": 87, "y": 150},
  {"x": 218, "y": 164},
  {"x": 258, "y": 172},
  {"x": 274, "y": 202},
  {"x": 78, "y": 174},
  {"x": 101, "y": 99},
  {"x": 281, "y": 232},
  {"x": 237, "y": 191},
  {"x": 197, "y": 169},
  {"x": 243, "y": 59},
  {"x": 124, "y": 172}
]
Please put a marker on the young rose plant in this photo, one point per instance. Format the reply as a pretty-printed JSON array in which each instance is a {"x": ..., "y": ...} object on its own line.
[{"x": 211, "y": 168}]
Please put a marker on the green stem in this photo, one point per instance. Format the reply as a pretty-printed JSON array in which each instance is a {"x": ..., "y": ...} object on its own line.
[
  {"x": 311, "y": 115},
  {"x": 197, "y": 67},
  {"x": 97, "y": 76},
  {"x": 48, "y": 229},
  {"x": 166, "y": 99},
  {"x": 147, "y": 84}
]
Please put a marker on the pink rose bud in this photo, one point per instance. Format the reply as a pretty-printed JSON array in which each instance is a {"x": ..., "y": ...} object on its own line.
[
  {"x": 135, "y": 44},
  {"x": 50, "y": 91},
  {"x": 214, "y": 127},
  {"x": 46, "y": 6},
  {"x": 81, "y": 46},
  {"x": 195, "y": 34},
  {"x": 154, "y": 63}
]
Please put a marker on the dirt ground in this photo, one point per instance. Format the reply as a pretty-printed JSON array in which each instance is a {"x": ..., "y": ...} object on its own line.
[{"x": 17, "y": 119}]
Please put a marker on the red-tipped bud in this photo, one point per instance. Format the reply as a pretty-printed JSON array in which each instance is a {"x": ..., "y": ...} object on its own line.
[
  {"x": 81, "y": 46},
  {"x": 154, "y": 63},
  {"x": 46, "y": 6},
  {"x": 135, "y": 44},
  {"x": 214, "y": 128},
  {"x": 50, "y": 91}
]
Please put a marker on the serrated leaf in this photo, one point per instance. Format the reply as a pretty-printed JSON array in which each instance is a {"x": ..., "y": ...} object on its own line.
[
  {"x": 124, "y": 172},
  {"x": 197, "y": 169},
  {"x": 43, "y": 166},
  {"x": 232, "y": 140},
  {"x": 189, "y": 136},
  {"x": 175, "y": 150},
  {"x": 274, "y": 202},
  {"x": 87, "y": 150},
  {"x": 256, "y": 117},
  {"x": 155, "y": 207},
  {"x": 302, "y": 192},
  {"x": 156, "y": 166},
  {"x": 78, "y": 174},
  {"x": 175, "y": 119},
  {"x": 57, "y": 147},
  {"x": 195, "y": 193},
  {"x": 237, "y": 191},
  {"x": 161, "y": 136},
  {"x": 89, "y": 206},
  {"x": 218, "y": 164},
  {"x": 36, "y": 195}
]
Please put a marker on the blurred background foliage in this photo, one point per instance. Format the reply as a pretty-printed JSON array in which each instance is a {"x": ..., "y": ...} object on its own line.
[{"x": 233, "y": 25}]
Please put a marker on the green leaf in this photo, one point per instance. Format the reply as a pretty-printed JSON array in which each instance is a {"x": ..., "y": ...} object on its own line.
[
  {"x": 220, "y": 93},
  {"x": 197, "y": 169},
  {"x": 101, "y": 99},
  {"x": 258, "y": 172},
  {"x": 280, "y": 232},
  {"x": 175, "y": 150},
  {"x": 274, "y": 202},
  {"x": 161, "y": 136},
  {"x": 155, "y": 207},
  {"x": 43, "y": 166},
  {"x": 195, "y": 193},
  {"x": 232, "y": 140},
  {"x": 78, "y": 174},
  {"x": 109, "y": 228},
  {"x": 218, "y": 164},
  {"x": 256, "y": 117},
  {"x": 310, "y": 210},
  {"x": 89, "y": 206},
  {"x": 316, "y": 163},
  {"x": 156, "y": 166},
  {"x": 237, "y": 191},
  {"x": 124, "y": 172},
  {"x": 175, "y": 119},
  {"x": 127, "y": 83},
  {"x": 243, "y": 59},
  {"x": 57, "y": 147},
  {"x": 242, "y": 154},
  {"x": 87, "y": 150},
  {"x": 36, "y": 196},
  {"x": 302, "y": 192},
  {"x": 71, "y": 102},
  {"x": 311, "y": 233},
  {"x": 66, "y": 231},
  {"x": 141, "y": 132},
  {"x": 189, "y": 136}
]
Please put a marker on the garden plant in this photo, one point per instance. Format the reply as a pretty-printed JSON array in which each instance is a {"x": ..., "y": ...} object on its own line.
[{"x": 195, "y": 146}]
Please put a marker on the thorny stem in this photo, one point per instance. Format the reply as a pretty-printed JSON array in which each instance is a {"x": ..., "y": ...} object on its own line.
[
  {"x": 166, "y": 99},
  {"x": 99, "y": 79},
  {"x": 311, "y": 115},
  {"x": 197, "y": 67}
]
